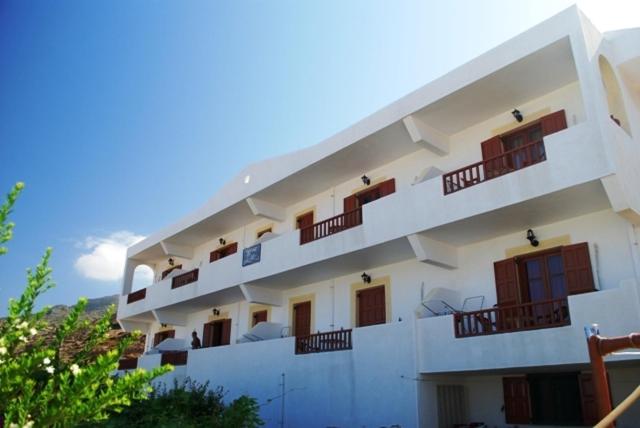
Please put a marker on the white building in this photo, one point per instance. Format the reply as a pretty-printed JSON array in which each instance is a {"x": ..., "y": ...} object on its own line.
[{"x": 403, "y": 240}]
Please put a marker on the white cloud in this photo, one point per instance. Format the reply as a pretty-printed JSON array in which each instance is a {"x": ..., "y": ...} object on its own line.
[{"x": 104, "y": 257}]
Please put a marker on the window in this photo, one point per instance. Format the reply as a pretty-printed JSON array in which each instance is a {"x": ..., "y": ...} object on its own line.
[
  {"x": 563, "y": 399},
  {"x": 171, "y": 269},
  {"x": 223, "y": 252},
  {"x": 259, "y": 316},
  {"x": 216, "y": 333},
  {"x": 371, "y": 306},
  {"x": 263, "y": 231}
]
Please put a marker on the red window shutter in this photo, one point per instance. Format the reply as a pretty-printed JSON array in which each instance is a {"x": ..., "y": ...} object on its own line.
[
  {"x": 553, "y": 122},
  {"x": 517, "y": 409},
  {"x": 387, "y": 187},
  {"x": 588, "y": 399},
  {"x": 577, "y": 268},
  {"x": 490, "y": 149},
  {"x": 506, "y": 282},
  {"x": 350, "y": 203},
  {"x": 226, "y": 332},
  {"x": 206, "y": 335}
]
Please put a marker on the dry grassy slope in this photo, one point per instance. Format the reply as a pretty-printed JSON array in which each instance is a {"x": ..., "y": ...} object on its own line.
[{"x": 95, "y": 309}]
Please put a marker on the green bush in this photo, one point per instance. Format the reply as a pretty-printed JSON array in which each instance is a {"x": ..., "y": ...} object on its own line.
[
  {"x": 188, "y": 405},
  {"x": 37, "y": 386}
]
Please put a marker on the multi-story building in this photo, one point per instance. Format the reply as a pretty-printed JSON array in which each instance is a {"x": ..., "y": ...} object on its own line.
[{"x": 434, "y": 264}]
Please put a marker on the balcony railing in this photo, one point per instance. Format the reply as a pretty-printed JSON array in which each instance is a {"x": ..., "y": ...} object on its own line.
[
  {"x": 184, "y": 279},
  {"x": 175, "y": 358},
  {"x": 128, "y": 364},
  {"x": 506, "y": 319},
  {"x": 331, "y": 226},
  {"x": 339, "y": 340},
  {"x": 512, "y": 160},
  {"x": 136, "y": 295}
]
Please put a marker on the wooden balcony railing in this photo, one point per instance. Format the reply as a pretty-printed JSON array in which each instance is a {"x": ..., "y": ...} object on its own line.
[
  {"x": 331, "y": 226},
  {"x": 184, "y": 279},
  {"x": 506, "y": 319},
  {"x": 338, "y": 340},
  {"x": 136, "y": 295},
  {"x": 128, "y": 364},
  {"x": 513, "y": 160},
  {"x": 175, "y": 358}
]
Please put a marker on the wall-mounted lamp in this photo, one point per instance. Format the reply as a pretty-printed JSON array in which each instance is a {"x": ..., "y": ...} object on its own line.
[
  {"x": 532, "y": 238},
  {"x": 216, "y": 311},
  {"x": 516, "y": 113},
  {"x": 171, "y": 262},
  {"x": 365, "y": 278},
  {"x": 163, "y": 325},
  {"x": 366, "y": 180},
  {"x": 222, "y": 241}
]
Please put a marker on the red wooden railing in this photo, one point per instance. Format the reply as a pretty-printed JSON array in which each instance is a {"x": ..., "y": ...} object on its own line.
[
  {"x": 338, "y": 340},
  {"x": 128, "y": 364},
  {"x": 175, "y": 358},
  {"x": 136, "y": 295},
  {"x": 527, "y": 316},
  {"x": 184, "y": 279},
  {"x": 513, "y": 160},
  {"x": 331, "y": 226}
]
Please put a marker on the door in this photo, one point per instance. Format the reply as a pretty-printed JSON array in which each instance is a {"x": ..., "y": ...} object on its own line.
[
  {"x": 258, "y": 316},
  {"x": 302, "y": 319},
  {"x": 304, "y": 223},
  {"x": 521, "y": 158},
  {"x": 216, "y": 333},
  {"x": 371, "y": 306},
  {"x": 162, "y": 335}
]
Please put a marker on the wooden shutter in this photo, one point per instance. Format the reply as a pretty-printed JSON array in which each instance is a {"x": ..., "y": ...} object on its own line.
[
  {"x": 553, "y": 122},
  {"x": 490, "y": 149},
  {"x": 588, "y": 399},
  {"x": 206, "y": 335},
  {"x": 387, "y": 187},
  {"x": 226, "y": 332},
  {"x": 506, "y": 278},
  {"x": 371, "y": 306},
  {"x": 350, "y": 203},
  {"x": 517, "y": 409},
  {"x": 302, "y": 319},
  {"x": 577, "y": 268}
]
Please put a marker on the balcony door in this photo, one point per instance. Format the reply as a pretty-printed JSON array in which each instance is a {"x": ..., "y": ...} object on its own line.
[
  {"x": 216, "y": 333},
  {"x": 371, "y": 306},
  {"x": 370, "y": 194},
  {"x": 302, "y": 319}
]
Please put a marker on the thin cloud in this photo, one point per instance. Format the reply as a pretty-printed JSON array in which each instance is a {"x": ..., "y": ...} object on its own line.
[{"x": 104, "y": 257}]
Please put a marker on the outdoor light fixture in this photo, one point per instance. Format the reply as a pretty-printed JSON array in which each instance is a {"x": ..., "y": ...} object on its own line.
[
  {"x": 365, "y": 278},
  {"x": 163, "y": 325},
  {"x": 171, "y": 262},
  {"x": 366, "y": 180},
  {"x": 216, "y": 311},
  {"x": 516, "y": 113},
  {"x": 222, "y": 241},
  {"x": 532, "y": 238}
]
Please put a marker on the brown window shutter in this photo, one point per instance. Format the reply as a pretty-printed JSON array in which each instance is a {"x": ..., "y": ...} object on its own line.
[
  {"x": 588, "y": 399},
  {"x": 206, "y": 335},
  {"x": 577, "y": 268},
  {"x": 171, "y": 334},
  {"x": 350, "y": 203},
  {"x": 156, "y": 339},
  {"x": 506, "y": 282},
  {"x": 226, "y": 332},
  {"x": 553, "y": 122},
  {"x": 517, "y": 409},
  {"x": 490, "y": 149},
  {"x": 387, "y": 187}
]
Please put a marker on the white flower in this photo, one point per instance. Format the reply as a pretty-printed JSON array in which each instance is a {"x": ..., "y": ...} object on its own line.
[
  {"x": 33, "y": 331},
  {"x": 28, "y": 424},
  {"x": 23, "y": 325},
  {"x": 3, "y": 350},
  {"x": 50, "y": 370},
  {"x": 13, "y": 426},
  {"x": 24, "y": 339},
  {"x": 46, "y": 361},
  {"x": 75, "y": 369}
]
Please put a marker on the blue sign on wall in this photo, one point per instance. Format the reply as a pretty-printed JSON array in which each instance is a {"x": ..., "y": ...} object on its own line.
[{"x": 251, "y": 255}]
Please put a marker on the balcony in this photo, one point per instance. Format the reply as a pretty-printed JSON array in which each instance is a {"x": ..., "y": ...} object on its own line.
[
  {"x": 505, "y": 163},
  {"x": 136, "y": 296},
  {"x": 331, "y": 226},
  {"x": 184, "y": 279},
  {"x": 507, "y": 319},
  {"x": 339, "y": 340}
]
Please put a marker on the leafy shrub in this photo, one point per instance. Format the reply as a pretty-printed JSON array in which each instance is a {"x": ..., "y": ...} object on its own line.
[{"x": 37, "y": 386}]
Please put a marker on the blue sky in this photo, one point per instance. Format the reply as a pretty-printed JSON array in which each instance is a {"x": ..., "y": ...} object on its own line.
[{"x": 121, "y": 117}]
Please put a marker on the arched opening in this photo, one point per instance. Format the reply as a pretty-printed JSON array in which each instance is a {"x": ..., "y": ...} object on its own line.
[
  {"x": 617, "y": 112},
  {"x": 142, "y": 277}
]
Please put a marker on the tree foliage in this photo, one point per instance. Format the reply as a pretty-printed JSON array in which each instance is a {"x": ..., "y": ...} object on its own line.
[{"x": 38, "y": 387}]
